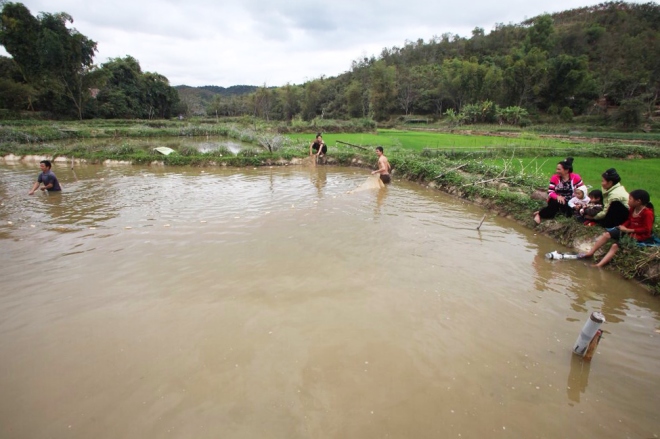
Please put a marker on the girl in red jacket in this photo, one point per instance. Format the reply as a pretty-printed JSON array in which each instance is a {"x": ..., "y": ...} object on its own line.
[{"x": 639, "y": 225}]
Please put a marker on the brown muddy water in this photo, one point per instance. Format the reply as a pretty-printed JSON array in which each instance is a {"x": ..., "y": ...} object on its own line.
[{"x": 204, "y": 303}]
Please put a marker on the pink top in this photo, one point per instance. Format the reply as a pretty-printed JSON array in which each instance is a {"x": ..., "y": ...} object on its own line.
[{"x": 564, "y": 188}]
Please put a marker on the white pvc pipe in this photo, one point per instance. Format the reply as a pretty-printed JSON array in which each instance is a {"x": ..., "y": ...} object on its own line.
[
  {"x": 556, "y": 255},
  {"x": 588, "y": 331}
]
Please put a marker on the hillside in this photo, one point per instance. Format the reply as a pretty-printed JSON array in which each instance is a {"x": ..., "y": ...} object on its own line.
[
  {"x": 198, "y": 99},
  {"x": 601, "y": 61}
]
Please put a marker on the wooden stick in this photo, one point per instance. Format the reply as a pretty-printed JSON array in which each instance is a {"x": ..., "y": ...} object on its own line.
[
  {"x": 74, "y": 172},
  {"x": 482, "y": 221},
  {"x": 487, "y": 181},
  {"x": 350, "y": 144},
  {"x": 591, "y": 350},
  {"x": 450, "y": 170}
]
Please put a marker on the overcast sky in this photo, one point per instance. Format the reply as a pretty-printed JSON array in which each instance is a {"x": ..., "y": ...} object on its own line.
[{"x": 232, "y": 42}]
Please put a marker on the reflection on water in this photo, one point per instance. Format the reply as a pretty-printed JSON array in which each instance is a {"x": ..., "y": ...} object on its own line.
[
  {"x": 578, "y": 378},
  {"x": 151, "y": 302}
]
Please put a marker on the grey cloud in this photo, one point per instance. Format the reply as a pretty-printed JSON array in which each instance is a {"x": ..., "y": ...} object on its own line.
[{"x": 202, "y": 42}]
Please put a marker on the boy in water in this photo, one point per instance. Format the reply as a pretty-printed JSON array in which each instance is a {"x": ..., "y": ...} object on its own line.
[
  {"x": 47, "y": 177},
  {"x": 384, "y": 167}
]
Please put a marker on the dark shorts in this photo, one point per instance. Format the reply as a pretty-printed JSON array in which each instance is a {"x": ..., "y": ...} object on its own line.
[
  {"x": 385, "y": 178},
  {"x": 615, "y": 233},
  {"x": 324, "y": 150}
]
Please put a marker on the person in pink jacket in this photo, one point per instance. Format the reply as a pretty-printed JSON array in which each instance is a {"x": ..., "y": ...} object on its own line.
[{"x": 561, "y": 188}]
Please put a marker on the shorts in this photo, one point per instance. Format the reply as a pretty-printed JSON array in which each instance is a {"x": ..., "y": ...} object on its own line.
[
  {"x": 615, "y": 233},
  {"x": 324, "y": 149},
  {"x": 385, "y": 178}
]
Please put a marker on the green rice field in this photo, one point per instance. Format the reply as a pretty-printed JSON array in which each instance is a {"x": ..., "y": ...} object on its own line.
[
  {"x": 419, "y": 140},
  {"x": 635, "y": 173}
]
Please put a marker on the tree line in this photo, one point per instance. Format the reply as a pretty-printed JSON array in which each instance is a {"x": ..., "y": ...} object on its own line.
[
  {"x": 602, "y": 60},
  {"x": 582, "y": 61},
  {"x": 52, "y": 70}
]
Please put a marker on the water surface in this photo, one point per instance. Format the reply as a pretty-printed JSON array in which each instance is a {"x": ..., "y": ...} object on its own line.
[{"x": 185, "y": 302}]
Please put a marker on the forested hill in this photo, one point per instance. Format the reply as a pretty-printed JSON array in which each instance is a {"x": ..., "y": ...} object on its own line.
[
  {"x": 580, "y": 61},
  {"x": 197, "y": 99}
]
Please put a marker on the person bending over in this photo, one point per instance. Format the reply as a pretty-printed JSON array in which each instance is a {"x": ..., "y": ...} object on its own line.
[
  {"x": 318, "y": 147},
  {"x": 47, "y": 177}
]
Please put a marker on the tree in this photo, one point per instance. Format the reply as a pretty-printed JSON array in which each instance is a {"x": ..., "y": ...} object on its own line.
[
  {"x": 51, "y": 57},
  {"x": 382, "y": 93},
  {"x": 124, "y": 95},
  {"x": 68, "y": 57},
  {"x": 569, "y": 83},
  {"x": 408, "y": 89},
  {"x": 525, "y": 77},
  {"x": 160, "y": 99}
]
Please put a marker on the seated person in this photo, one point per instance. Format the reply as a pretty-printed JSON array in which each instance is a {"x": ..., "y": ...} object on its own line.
[
  {"x": 580, "y": 199},
  {"x": 615, "y": 201},
  {"x": 593, "y": 208},
  {"x": 560, "y": 190},
  {"x": 639, "y": 225}
]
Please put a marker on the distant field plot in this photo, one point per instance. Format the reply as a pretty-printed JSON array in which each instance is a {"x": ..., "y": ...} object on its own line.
[{"x": 420, "y": 140}]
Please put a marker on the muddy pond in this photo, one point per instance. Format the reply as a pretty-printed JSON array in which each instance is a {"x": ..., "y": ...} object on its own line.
[{"x": 206, "y": 302}]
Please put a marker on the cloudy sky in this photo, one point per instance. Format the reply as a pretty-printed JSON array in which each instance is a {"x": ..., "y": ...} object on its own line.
[{"x": 231, "y": 42}]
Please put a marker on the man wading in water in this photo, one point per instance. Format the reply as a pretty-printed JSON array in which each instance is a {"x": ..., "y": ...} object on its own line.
[
  {"x": 47, "y": 177},
  {"x": 384, "y": 167}
]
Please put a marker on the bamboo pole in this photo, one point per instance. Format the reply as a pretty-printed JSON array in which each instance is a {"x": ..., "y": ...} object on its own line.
[
  {"x": 350, "y": 144},
  {"x": 591, "y": 350},
  {"x": 482, "y": 221}
]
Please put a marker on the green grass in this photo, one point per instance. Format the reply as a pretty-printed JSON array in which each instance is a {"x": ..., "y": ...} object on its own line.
[
  {"x": 635, "y": 173},
  {"x": 420, "y": 140}
]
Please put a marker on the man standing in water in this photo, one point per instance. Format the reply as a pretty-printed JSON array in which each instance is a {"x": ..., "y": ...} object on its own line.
[
  {"x": 47, "y": 178},
  {"x": 384, "y": 167}
]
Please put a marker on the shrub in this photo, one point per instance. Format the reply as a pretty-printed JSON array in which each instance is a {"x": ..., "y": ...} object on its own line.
[
  {"x": 629, "y": 114},
  {"x": 566, "y": 114}
]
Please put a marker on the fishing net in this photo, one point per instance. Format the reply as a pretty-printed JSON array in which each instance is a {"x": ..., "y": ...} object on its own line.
[{"x": 372, "y": 182}]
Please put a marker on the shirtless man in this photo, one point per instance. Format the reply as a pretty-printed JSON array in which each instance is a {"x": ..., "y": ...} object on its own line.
[
  {"x": 384, "y": 167},
  {"x": 47, "y": 177}
]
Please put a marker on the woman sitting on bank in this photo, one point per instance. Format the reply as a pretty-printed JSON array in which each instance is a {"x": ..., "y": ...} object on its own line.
[
  {"x": 615, "y": 201},
  {"x": 639, "y": 225},
  {"x": 561, "y": 188}
]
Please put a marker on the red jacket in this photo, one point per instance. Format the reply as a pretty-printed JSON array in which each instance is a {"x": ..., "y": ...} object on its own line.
[{"x": 642, "y": 224}]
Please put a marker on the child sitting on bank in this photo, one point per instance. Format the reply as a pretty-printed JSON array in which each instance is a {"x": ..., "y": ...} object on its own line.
[
  {"x": 639, "y": 225},
  {"x": 580, "y": 199},
  {"x": 595, "y": 206}
]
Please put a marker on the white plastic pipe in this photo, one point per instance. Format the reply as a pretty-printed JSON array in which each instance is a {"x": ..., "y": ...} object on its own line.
[
  {"x": 588, "y": 331},
  {"x": 556, "y": 255}
]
